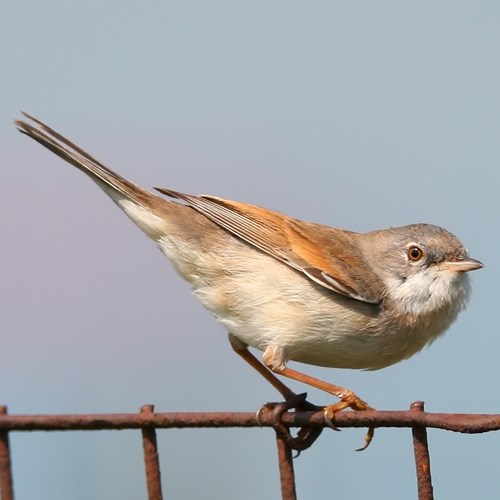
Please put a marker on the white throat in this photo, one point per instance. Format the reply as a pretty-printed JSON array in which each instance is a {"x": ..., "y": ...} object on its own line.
[{"x": 429, "y": 291}]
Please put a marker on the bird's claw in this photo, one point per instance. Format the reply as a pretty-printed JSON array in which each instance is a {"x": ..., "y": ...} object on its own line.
[{"x": 349, "y": 400}]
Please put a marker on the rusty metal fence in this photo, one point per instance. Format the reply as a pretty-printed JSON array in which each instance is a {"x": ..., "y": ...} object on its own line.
[{"x": 309, "y": 423}]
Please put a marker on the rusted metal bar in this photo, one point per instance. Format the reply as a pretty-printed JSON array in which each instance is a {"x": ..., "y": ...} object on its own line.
[
  {"x": 465, "y": 423},
  {"x": 151, "y": 459},
  {"x": 422, "y": 457},
  {"x": 287, "y": 475},
  {"x": 6, "y": 484}
]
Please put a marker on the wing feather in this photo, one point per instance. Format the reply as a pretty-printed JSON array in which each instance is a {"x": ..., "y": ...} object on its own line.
[{"x": 313, "y": 249}]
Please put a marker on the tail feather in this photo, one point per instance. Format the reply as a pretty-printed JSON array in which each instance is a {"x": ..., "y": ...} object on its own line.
[
  {"x": 85, "y": 162},
  {"x": 143, "y": 207}
]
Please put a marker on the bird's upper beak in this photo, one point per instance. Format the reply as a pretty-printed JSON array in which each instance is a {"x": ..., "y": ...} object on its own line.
[{"x": 461, "y": 265}]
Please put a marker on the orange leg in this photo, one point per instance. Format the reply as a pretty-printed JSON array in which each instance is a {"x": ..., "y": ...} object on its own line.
[
  {"x": 242, "y": 350},
  {"x": 347, "y": 397}
]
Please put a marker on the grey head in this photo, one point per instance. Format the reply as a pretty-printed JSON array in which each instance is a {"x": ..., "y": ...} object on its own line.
[{"x": 423, "y": 267}]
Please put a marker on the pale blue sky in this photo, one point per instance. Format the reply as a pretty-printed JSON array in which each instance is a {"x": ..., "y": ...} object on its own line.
[{"x": 355, "y": 114}]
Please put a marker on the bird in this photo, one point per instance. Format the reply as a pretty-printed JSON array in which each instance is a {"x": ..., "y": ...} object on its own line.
[{"x": 295, "y": 290}]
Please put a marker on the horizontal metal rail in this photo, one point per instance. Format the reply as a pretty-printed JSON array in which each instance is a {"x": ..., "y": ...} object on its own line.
[{"x": 469, "y": 423}]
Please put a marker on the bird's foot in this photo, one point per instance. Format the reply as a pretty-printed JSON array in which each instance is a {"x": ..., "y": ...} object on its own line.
[
  {"x": 348, "y": 400},
  {"x": 306, "y": 435}
]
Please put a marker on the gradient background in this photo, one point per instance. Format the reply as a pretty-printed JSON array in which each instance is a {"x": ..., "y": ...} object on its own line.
[{"x": 355, "y": 114}]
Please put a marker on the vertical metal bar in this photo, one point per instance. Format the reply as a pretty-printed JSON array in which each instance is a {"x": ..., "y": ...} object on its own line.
[
  {"x": 287, "y": 476},
  {"x": 6, "y": 484},
  {"x": 422, "y": 457},
  {"x": 151, "y": 460}
]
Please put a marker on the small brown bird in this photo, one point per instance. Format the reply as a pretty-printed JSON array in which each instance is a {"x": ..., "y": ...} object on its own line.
[{"x": 292, "y": 289}]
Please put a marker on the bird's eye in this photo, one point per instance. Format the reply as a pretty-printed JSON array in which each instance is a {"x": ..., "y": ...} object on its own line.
[{"x": 414, "y": 253}]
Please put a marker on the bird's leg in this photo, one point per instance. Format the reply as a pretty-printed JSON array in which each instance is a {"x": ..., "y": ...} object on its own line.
[
  {"x": 274, "y": 359},
  {"x": 306, "y": 435},
  {"x": 242, "y": 350},
  {"x": 348, "y": 399}
]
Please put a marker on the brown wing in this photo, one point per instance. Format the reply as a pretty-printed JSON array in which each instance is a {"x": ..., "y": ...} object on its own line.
[{"x": 312, "y": 249}]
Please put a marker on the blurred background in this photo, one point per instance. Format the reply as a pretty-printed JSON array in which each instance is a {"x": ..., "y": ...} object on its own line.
[{"x": 360, "y": 115}]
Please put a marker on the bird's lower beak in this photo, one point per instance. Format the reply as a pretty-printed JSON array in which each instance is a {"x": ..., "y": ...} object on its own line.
[{"x": 462, "y": 265}]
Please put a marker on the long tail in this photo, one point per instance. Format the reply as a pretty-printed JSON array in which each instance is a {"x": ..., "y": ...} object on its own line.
[{"x": 143, "y": 207}]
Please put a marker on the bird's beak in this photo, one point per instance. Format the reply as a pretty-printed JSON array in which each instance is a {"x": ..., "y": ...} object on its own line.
[{"x": 462, "y": 265}]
